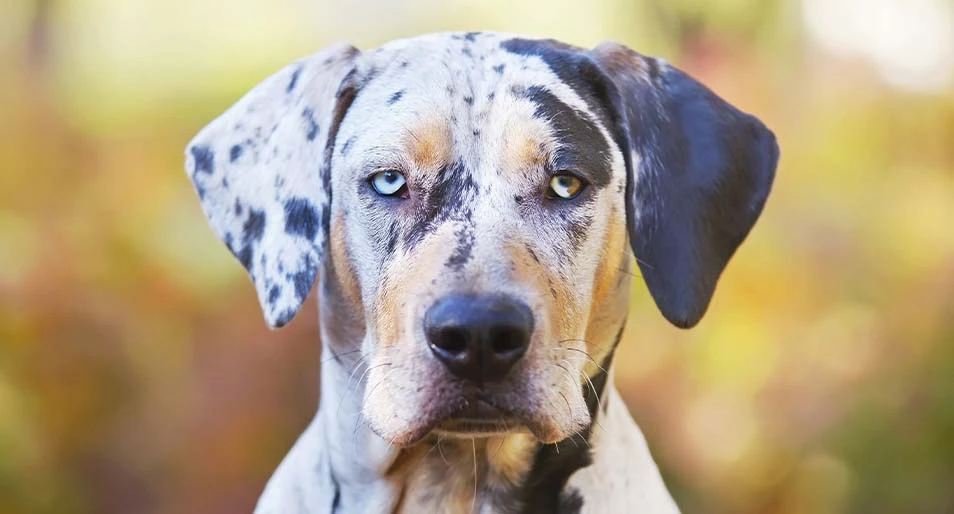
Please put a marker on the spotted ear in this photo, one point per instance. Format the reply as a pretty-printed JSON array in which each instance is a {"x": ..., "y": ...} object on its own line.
[
  {"x": 262, "y": 173},
  {"x": 699, "y": 174}
]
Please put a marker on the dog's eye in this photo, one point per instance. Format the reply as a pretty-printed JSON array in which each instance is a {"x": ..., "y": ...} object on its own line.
[
  {"x": 565, "y": 186},
  {"x": 389, "y": 183}
]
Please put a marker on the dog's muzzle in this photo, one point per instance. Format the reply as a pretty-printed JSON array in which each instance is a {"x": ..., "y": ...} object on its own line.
[{"x": 478, "y": 339}]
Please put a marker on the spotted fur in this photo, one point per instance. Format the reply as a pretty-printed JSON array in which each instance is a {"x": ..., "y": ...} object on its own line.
[{"x": 477, "y": 123}]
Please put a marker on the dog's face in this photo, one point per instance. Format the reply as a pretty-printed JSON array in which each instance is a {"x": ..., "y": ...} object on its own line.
[
  {"x": 510, "y": 187},
  {"x": 470, "y": 195}
]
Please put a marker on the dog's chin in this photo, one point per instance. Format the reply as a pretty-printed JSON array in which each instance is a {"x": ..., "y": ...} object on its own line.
[{"x": 476, "y": 420}]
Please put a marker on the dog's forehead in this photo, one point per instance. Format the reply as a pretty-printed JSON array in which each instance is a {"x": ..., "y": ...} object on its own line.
[
  {"x": 475, "y": 92},
  {"x": 474, "y": 57}
]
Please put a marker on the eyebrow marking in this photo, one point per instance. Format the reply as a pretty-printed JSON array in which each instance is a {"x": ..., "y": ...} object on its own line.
[{"x": 583, "y": 147}]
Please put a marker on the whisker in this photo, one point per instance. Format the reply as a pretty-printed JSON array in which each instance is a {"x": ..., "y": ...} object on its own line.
[
  {"x": 633, "y": 274},
  {"x": 349, "y": 388},
  {"x": 588, "y": 356},
  {"x": 473, "y": 444},
  {"x": 599, "y": 402},
  {"x": 335, "y": 356},
  {"x": 382, "y": 381},
  {"x": 568, "y": 408},
  {"x": 440, "y": 449}
]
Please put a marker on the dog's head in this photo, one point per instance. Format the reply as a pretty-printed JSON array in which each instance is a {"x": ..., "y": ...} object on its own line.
[{"x": 469, "y": 198}]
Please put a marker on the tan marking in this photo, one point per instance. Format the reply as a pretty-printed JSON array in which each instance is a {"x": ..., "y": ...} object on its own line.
[
  {"x": 409, "y": 276},
  {"x": 342, "y": 263},
  {"x": 510, "y": 456},
  {"x": 429, "y": 144},
  {"x": 525, "y": 145},
  {"x": 347, "y": 322},
  {"x": 610, "y": 294},
  {"x": 617, "y": 59},
  {"x": 442, "y": 479}
]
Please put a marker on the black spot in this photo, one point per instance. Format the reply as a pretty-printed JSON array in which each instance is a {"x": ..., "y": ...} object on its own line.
[
  {"x": 326, "y": 218},
  {"x": 464, "y": 249},
  {"x": 469, "y": 100},
  {"x": 395, "y": 97},
  {"x": 252, "y": 231},
  {"x": 391, "y": 245},
  {"x": 575, "y": 68},
  {"x": 403, "y": 64},
  {"x": 500, "y": 68},
  {"x": 446, "y": 200},
  {"x": 285, "y": 317},
  {"x": 471, "y": 36},
  {"x": 274, "y": 293},
  {"x": 238, "y": 207},
  {"x": 346, "y": 147},
  {"x": 294, "y": 80},
  {"x": 336, "y": 500},
  {"x": 254, "y": 226},
  {"x": 245, "y": 257},
  {"x": 311, "y": 126},
  {"x": 450, "y": 90},
  {"x": 583, "y": 147},
  {"x": 204, "y": 159},
  {"x": 491, "y": 95},
  {"x": 476, "y": 132},
  {"x": 517, "y": 199},
  {"x": 533, "y": 254},
  {"x": 235, "y": 152},
  {"x": 301, "y": 218},
  {"x": 304, "y": 279},
  {"x": 466, "y": 51}
]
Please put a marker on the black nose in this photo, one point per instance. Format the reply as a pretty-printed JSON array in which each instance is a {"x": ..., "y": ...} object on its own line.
[{"x": 478, "y": 337}]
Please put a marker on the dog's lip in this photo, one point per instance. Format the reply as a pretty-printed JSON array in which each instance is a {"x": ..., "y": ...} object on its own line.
[
  {"x": 478, "y": 417},
  {"x": 473, "y": 415}
]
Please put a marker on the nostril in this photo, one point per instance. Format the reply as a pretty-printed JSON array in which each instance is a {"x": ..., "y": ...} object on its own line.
[
  {"x": 451, "y": 340},
  {"x": 508, "y": 340}
]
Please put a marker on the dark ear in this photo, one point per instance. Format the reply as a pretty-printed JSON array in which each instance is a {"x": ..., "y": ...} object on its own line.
[
  {"x": 261, "y": 172},
  {"x": 699, "y": 173}
]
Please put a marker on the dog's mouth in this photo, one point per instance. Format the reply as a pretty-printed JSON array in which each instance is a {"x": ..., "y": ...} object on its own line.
[
  {"x": 479, "y": 418},
  {"x": 473, "y": 415}
]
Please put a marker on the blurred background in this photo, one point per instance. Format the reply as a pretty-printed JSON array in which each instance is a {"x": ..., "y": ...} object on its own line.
[{"x": 137, "y": 375}]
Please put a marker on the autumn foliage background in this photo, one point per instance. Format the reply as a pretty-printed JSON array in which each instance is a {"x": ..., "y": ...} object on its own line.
[{"x": 136, "y": 373}]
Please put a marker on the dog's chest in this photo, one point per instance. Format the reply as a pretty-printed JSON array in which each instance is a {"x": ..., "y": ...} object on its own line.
[{"x": 466, "y": 476}]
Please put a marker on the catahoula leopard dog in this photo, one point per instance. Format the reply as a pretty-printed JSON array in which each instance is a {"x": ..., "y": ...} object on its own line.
[{"x": 470, "y": 202}]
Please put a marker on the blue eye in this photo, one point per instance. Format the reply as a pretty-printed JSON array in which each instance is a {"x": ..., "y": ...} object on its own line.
[
  {"x": 389, "y": 183},
  {"x": 565, "y": 186}
]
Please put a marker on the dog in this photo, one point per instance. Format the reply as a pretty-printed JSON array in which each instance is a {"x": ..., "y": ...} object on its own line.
[{"x": 472, "y": 202}]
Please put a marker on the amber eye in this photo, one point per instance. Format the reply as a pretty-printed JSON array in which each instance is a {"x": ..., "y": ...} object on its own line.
[
  {"x": 565, "y": 186},
  {"x": 389, "y": 183}
]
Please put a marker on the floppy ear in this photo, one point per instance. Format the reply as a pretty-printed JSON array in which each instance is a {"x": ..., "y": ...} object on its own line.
[
  {"x": 699, "y": 173},
  {"x": 261, "y": 170}
]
